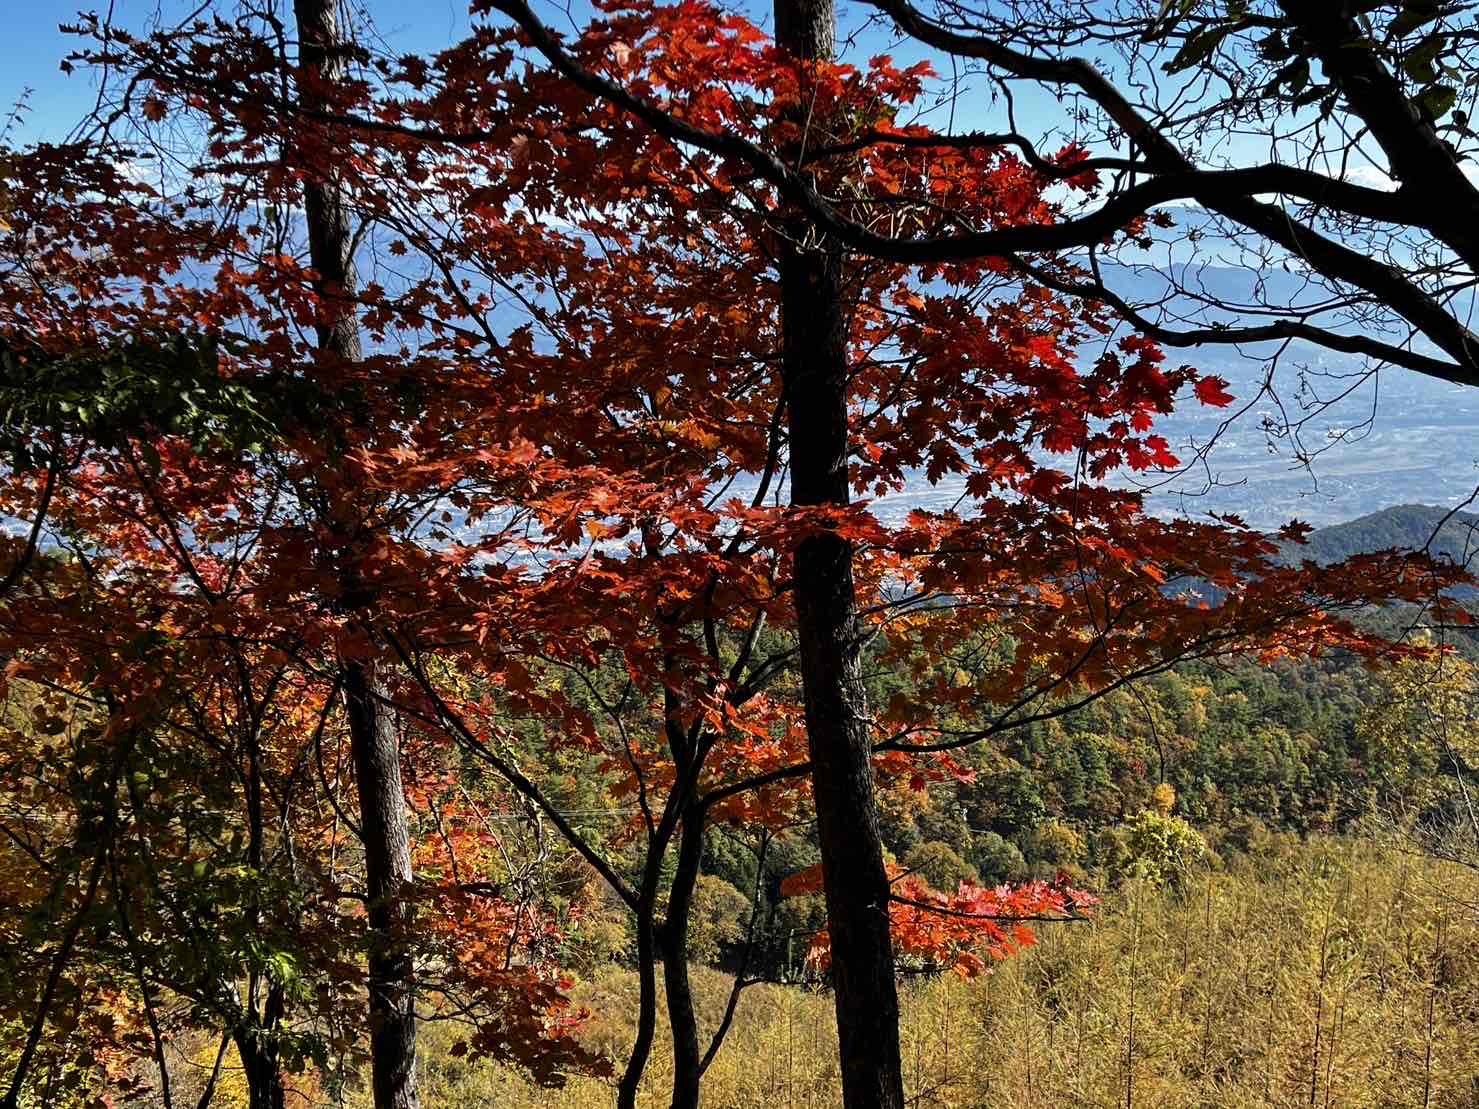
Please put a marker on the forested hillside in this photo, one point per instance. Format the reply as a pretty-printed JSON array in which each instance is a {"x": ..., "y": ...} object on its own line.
[
  {"x": 1141, "y": 798},
  {"x": 1414, "y": 527}
]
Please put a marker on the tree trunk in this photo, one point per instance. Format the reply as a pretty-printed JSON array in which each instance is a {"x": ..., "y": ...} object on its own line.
[
  {"x": 814, "y": 322},
  {"x": 259, "y": 1054},
  {"x": 264, "y": 1086},
  {"x": 687, "y": 1062},
  {"x": 259, "y": 1067},
  {"x": 374, "y": 743},
  {"x": 392, "y": 979},
  {"x": 647, "y": 954}
]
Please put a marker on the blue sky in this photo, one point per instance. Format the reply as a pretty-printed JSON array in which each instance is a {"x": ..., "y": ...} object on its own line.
[
  {"x": 30, "y": 50},
  {"x": 31, "y": 47}
]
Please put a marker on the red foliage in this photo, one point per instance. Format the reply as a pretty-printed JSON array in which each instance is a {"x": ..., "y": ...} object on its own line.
[{"x": 958, "y": 931}]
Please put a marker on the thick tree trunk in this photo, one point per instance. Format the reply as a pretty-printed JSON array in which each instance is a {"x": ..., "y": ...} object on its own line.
[
  {"x": 259, "y": 1055},
  {"x": 854, "y": 878},
  {"x": 374, "y": 743},
  {"x": 814, "y": 321},
  {"x": 263, "y": 1076}
]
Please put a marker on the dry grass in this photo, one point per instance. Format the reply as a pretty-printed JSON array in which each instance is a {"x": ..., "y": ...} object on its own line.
[{"x": 1340, "y": 976}]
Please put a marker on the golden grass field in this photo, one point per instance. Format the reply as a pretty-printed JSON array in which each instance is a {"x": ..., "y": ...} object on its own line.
[{"x": 1337, "y": 974}]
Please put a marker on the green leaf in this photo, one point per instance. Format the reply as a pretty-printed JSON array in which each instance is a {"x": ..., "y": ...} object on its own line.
[
  {"x": 1296, "y": 75},
  {"x": 1198, "y": 46},
  {"x": 1411, "y": 17},
  {"x": 1310, "y": 95},
  {"x": 1437, "y": 100},
  {"x": 1419, "y": 69},
  {"x": 1419, "y": 61}
]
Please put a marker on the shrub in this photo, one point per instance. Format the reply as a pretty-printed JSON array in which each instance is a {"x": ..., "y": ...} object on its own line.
[
  {"x": 997, "y": 860},
  {"x": 1057, "y": 844},
  {"x": 720, "y": 913},
  {"x": 939, "y": 865},
  {"x": 1162, "y": 849}
]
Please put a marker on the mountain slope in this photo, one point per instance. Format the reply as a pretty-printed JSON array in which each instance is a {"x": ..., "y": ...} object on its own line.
[{"x": 1406, "y": 527}]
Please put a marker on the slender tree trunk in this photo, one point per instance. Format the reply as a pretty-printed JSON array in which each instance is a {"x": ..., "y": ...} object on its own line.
[
  {"x": 259, "y": 1056},
  {"x": 377, "y": 768},
  {"x": 374, "y": 743},
  {"x": 814, "y": 321},
  {"x": 631, "y": 1077},
  {"x": 208, "y": 1092},
  {"x": 687, "y": 1061}
]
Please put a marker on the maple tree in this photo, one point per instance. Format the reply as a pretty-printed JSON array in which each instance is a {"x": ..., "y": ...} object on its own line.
[
  {"x": 826, "y": 391},
  {"x": 1371, "y": 85},
  {"x": 617, "y": 527},
  {"x": 375, "y": 742},
  {"x": 210, "y": 543}
]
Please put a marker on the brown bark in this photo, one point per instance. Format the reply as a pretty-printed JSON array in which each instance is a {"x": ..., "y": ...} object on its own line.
[
  {"x": 682, "y": 1018},
  {"x": 814, "y": 321},
  {"x": 374, "y": 742},
  {"x": 375, "y": 747},
  {"x": 259, "y": 1058},
  {"x": 264, "y": 1083}
]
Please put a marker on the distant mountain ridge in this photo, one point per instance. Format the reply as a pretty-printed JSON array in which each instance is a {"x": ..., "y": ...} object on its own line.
[
  {"x": 1403, "y": 527},
  {"x": 1408, "y": 527}
]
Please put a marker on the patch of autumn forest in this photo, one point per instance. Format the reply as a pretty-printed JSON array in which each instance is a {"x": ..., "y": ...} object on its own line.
[{"x": 649, "y": 554}]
